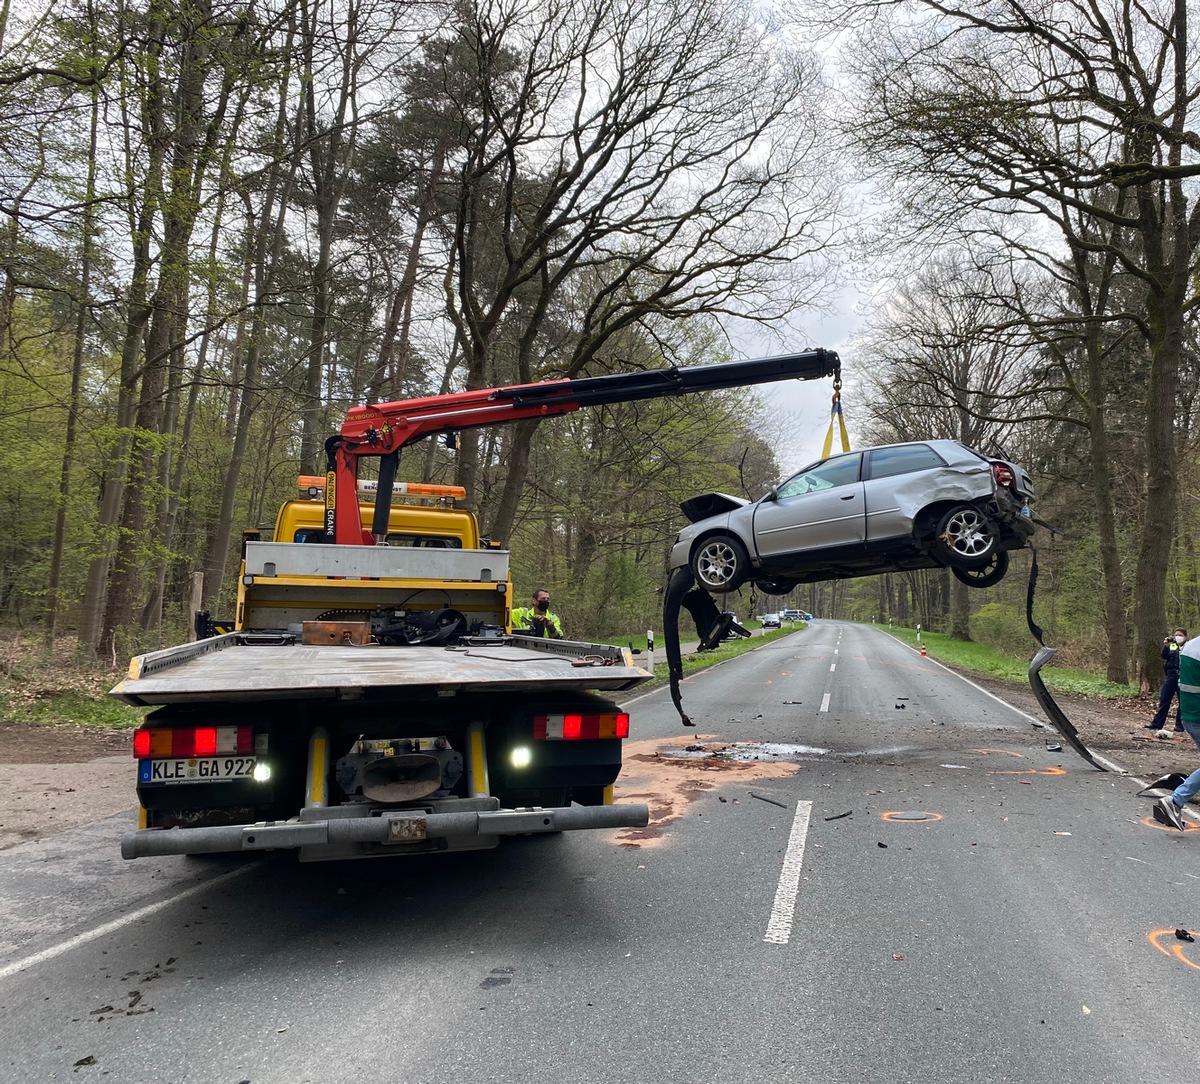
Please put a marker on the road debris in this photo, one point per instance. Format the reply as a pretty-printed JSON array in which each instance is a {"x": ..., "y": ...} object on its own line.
[
  {"x": 1183, "y": 935},
  {"x": 89, "y": 1060},
  {"x": 763, "y": 798},
  {"x": 897, "y": 956},
  {"x": 881, "y": 844},
  {"x": 839, "y": 816},
  {"x": 1053, "y": 747}
]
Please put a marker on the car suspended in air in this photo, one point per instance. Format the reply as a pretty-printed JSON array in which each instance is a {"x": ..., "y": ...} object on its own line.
[{"x": 892, "y": 508}]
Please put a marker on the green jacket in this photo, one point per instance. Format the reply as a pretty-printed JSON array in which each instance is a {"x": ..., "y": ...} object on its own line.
[
  {"x": 528, "y": 622},
  {"x": 1189, "y": 681}
]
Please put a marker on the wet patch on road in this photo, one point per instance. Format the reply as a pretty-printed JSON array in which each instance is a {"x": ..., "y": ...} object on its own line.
[{"x": 669, "y": 777}]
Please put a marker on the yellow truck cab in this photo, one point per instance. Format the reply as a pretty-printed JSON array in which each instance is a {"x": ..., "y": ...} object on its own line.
[{"x": 434, "y": 561}]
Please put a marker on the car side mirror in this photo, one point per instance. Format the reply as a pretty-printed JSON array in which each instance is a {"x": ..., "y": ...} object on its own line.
[{"x": 771, "y": 494}]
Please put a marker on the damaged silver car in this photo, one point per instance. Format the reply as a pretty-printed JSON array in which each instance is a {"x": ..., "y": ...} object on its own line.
[{"x": 927, "y": 504}]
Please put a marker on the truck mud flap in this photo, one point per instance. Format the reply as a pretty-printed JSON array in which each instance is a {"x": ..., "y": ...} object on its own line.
[
  {"x": 395, "y": 828},
  {"x": 1058, "y": 717}
]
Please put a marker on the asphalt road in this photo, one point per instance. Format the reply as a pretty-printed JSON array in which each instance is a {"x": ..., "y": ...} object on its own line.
[{"x": 903, "y": 885}]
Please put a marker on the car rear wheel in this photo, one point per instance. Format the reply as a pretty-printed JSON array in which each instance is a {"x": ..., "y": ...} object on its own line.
[
  {"x": 966, "y": 538},
  {"x": 720, "y": 564},
  {"x": 984, "y": 575}
]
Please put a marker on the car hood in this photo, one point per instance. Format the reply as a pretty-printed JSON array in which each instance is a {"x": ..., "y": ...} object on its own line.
[{"x": 710, "y": 504}]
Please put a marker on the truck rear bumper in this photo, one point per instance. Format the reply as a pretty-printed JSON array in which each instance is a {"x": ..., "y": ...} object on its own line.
[{"x": 396, "y": 829}]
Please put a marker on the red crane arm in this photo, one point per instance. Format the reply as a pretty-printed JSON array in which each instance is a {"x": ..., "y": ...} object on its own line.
[{"x": 383, "y": 429}]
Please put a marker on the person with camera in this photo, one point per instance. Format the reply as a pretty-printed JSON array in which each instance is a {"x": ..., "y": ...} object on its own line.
[
  {"x": 1170, "y": 686},
  {"x": 537, "y": 620}
]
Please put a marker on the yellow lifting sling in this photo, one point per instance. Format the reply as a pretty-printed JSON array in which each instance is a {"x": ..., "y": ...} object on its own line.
[{"x": 835, "y": 415}]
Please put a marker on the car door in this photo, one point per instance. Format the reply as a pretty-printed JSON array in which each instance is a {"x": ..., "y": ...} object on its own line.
[
  {"x": 894, "y": 477},
  {"x": 819, "y": 508}
]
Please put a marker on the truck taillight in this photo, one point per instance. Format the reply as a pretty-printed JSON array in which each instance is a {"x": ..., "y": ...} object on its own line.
[
  {"x": 1003, "y": 475},
  {"x": 153, "y": 742},
  {"x": 575, "y": 727}
]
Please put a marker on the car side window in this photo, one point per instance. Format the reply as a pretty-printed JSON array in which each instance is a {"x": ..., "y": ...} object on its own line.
[
  {"x": 841, "y": 470},
  {"x": 902, "y": 459}
]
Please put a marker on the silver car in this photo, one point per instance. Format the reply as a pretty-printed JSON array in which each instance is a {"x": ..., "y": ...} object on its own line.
[{"x": 927, "y": 504}]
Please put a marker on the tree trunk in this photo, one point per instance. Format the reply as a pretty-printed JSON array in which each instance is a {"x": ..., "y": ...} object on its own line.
[{"x": 70, "y": 435}]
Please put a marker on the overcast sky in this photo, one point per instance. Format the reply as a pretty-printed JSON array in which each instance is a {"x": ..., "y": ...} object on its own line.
[{"x": 802, "y": 406}]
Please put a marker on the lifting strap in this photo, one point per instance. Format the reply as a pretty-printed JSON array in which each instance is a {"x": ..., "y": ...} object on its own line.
[{"x": 835, "y": 415}]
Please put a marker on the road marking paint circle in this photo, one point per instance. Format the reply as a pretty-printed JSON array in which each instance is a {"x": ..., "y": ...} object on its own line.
[
  {"x": 910, "y": 815},
  {"x": 1150, "y": 822},
  {"x": 1173, "y": 946},
  {"x": 1029, "y": 771}
]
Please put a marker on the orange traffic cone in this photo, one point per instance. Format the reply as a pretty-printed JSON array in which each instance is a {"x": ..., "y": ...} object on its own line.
[{"x": 924, "y": 653}]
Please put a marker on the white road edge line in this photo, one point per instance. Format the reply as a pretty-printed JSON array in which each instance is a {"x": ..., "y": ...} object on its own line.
[
  {"x": 116, "y": 924},
  {"x": 1112, "y": 765},
  {"x": 832, "y": 667},
  {"x": 824, "y": 703},
  {"x": 779, "y": 925}
]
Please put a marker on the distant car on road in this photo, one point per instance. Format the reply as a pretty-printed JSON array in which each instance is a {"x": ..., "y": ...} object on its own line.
[
  {"x": 925, "y": 504},
  {"x": 795, "y": 615},
  {"x": 770, "y": 621}
]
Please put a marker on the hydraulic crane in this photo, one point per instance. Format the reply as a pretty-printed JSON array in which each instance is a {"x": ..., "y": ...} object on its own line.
[{"x": 381, "y": 430}]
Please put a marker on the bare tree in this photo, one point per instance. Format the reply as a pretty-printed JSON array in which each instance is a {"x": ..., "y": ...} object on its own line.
[
  {"x": 1045, "y": 115},
  {"x": 944, "y": 363},
  {"x": 616, "y": 162}
]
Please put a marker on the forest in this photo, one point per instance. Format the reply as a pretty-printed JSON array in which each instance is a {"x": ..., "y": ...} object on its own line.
[{"x": 222, "y": 224}]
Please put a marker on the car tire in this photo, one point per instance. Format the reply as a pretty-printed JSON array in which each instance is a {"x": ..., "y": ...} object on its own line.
[
  {"x": 985, "y": 575},
  {"x": 775, "y": 587},
  {"x": 720, "y": 563},
  {"x": 966, "y": 537}
]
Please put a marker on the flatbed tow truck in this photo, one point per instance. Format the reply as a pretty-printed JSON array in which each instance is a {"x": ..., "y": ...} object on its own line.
[{"x": 371, "y": 697}]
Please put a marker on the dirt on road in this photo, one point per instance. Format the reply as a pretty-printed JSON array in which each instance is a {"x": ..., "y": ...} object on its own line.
[{"x": 57, "y": 777}]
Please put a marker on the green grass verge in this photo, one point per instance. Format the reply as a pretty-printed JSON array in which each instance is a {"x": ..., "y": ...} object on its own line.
[
  {"x": 988, "y": 661},
  {"x": 698, "y": 660},
  {"x": 70, "y": 708}
]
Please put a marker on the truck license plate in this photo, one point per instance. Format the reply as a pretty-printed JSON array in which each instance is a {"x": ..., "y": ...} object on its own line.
[{"x": 195, "y": 770}]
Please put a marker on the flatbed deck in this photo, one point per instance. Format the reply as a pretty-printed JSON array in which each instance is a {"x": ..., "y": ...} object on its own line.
[{"x": 241, "y": 667}]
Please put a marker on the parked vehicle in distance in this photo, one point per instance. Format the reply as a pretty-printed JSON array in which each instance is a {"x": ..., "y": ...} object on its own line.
[
  {"x": 892, "y": 508},
  {"x": 771, "y": 621},
  {"x": 794, "y": 615}
]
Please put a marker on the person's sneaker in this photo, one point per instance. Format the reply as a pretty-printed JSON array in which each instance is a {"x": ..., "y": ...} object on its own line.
[{"x": 1167, "y": 812}]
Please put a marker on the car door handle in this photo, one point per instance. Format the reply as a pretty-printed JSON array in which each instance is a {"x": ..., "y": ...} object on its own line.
[{"x": 848, "y": 497}]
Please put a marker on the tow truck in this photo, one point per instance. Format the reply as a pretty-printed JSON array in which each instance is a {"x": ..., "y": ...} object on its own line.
[{"x": 371, "y": 698}]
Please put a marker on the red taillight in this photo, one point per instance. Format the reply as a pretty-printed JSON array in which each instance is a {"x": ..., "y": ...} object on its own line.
[
  {"x": 162, "y": 743},
  {"x": 1003, "y": 475},
  {"x": 575, "y": 727}
]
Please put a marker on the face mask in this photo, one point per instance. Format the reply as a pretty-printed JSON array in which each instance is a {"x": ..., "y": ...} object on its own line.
[
  {"x": 1181, "y": 639},
  {"x": 543, "y": 604}
]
